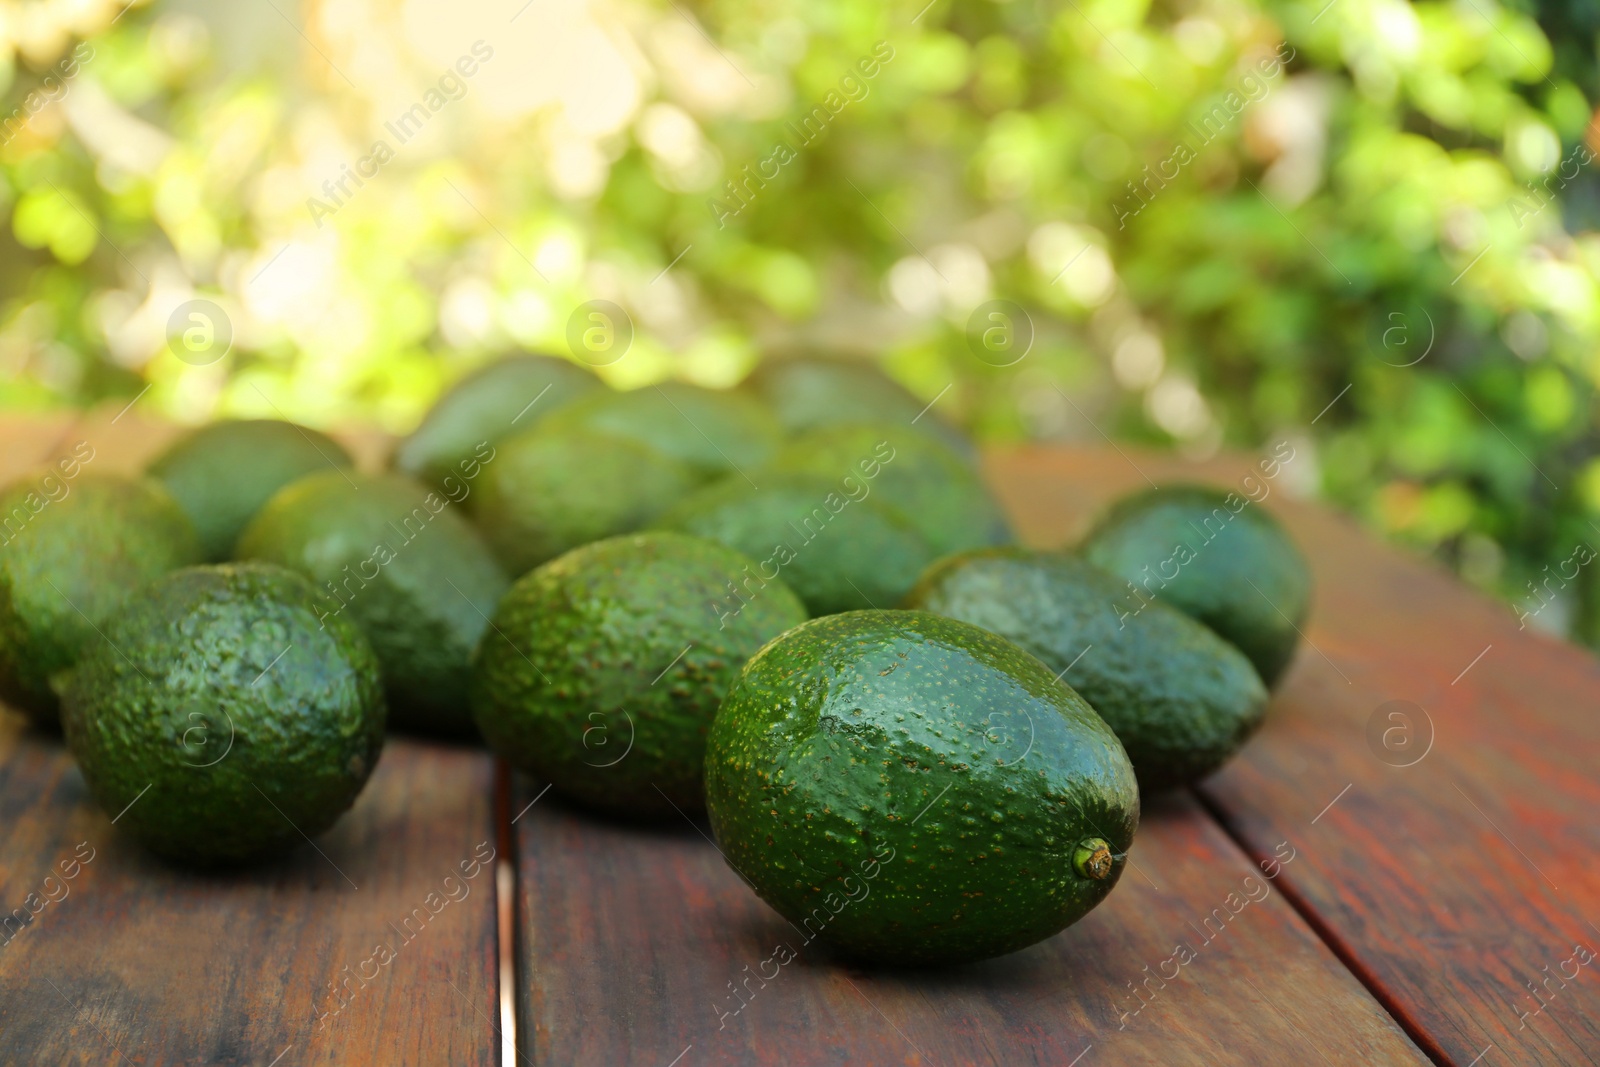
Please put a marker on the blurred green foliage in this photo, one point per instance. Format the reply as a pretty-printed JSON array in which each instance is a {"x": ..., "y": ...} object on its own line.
[{"x": 1364, "y": 226}]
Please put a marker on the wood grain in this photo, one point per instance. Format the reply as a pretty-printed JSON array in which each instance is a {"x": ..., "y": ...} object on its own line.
[
  {"x": 632, "y": 942},
  {"x": 1451, "y": 884},
  {"x": 136, "y": 961}
]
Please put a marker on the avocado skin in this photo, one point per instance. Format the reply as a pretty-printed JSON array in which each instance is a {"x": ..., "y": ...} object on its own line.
[
  {"x": 571, "y": 678},
  {"x": 423, "y": 610},
  {"x": 1140, "y": 533},
  {"x": 808, "y": 392},
  {"x": 70, "y": 567},
  {"x": 930, "y": 485},
  {"x": 479, "y": 409},
  {"x": 863, "y": 556},
  {"x": 1181, "y": 699},
  {"x": 937, "y": 764},
  {"x": 714, "y": 432},
  {"x": 221, "y": 474},
  {"x": 547, "y": 493},
  {"x": 189, "y": 696}
]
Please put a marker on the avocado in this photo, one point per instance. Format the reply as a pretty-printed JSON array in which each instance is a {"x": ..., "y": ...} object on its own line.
[
  {"x": 828, "y": 540},
  {"x": 74, "y": 545},
  {"x": 1181, "y": 699},
  {"x": 548, "y": 492},
  {"x": 909, "y": 470},
  {"x": 714, "y": 432},
  {"x": 409, "y": 569},
  {"x": 915, "y": 790},
  {"x": 1212, "y": 555},
  {"x": 221, "y": 720},
  {"x": 809, "y": 392},
  {"x": 221, "y": 474},
  {"x": 502, "y": 398},
  {"x": 606, "y": 665}
]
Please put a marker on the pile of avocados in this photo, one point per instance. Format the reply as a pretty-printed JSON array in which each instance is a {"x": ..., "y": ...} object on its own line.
[{"x": 792, "y": 609}]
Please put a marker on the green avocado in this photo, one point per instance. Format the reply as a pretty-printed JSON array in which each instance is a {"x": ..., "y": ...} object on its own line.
[
  {"x": 221, "y": 720},
  {"x": 808, "y": 392},
  {"x": 606, "y": 665},
  {"x": 908, "y": 470},
  {"x": 1181, "y": 699},
  {"x": 1215, "y": 556},
  {"x": 73, "y": 547},
  {"x": 222, "y": 473},
  {"x": 829, "y": 541},
  {"x": 495, "y": 401},
  {"x": 915, "y": 790},
  {"x": 408, "y": 568},
  {"x": 714, "y": 432},
  {"x": 549, "y": 492}
]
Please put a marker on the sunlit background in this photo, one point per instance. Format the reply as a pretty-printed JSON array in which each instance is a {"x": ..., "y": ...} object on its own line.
[{"x": 1376, "y": 240}]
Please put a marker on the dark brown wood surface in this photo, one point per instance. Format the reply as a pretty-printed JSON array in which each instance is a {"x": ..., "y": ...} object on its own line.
[
  {"x": 1455, "y": 867},
  {"x": 1426, "y": 896},
  {"x": 635, "y": 946},
  {"x": 132, "y": 961}
]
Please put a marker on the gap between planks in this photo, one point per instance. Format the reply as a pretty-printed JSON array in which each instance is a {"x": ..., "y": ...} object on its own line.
[{"x": 1326, "y": 934}]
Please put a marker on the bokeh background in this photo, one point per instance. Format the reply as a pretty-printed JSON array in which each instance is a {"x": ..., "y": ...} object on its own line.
[{"x": 1365, "y": 227}]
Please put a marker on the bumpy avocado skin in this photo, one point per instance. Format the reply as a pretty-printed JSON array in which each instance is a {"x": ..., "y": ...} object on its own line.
[
  {"x": 911, "y": 471},
  {"x": 401, "y": 561},
  {"x": 66, "y": 567},
  {"x": 221, "y": 474},
  {"x": 1212, "y": 555},
  {"x": 1181, "y": 699},
  {"x": 714, "y": 432},
  {"x": 547, "y": 493},
  {"x": 487, "y": 405},
  {"x": 914, "y": 789},
  {"x": 607, "y": 664},
  {"x": 837, "y": 552},
  {"x": 221, "y": 720},
  {"x": 810, "y": 392}
]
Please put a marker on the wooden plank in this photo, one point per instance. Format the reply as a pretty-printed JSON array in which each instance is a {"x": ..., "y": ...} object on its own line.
[
  {"x": 128, "y": 960},
  {"x": 125, "y": 959},
  {"x": 632, "y": 941},
  {"x": 1457, "y": 879}
]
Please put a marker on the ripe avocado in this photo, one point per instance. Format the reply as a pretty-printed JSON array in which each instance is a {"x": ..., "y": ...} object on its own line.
[
  {"x": 714, "y": 432},
  {"x": 808, "y": 392},
  {"x": 1181, "y": 699},
  {"x": 1212, "y": 555},
  {"x": 220, "y": 720},
  {"x": 221, "y": 474},
  {"x": 910, "y": 471},
  {"x": 835, "y": 546},
  {"x": 413, "y": 573},
  {"x": 502, "y": 398},
  {"x": 606, "y": 665},
  {"x": 72, "y": 550},
  {"x": 549, "y": 492},
  {"x": 916, "y": 790}
]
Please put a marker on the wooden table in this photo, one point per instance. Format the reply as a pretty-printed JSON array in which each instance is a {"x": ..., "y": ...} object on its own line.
[{"x": 1431, "y": 888}]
